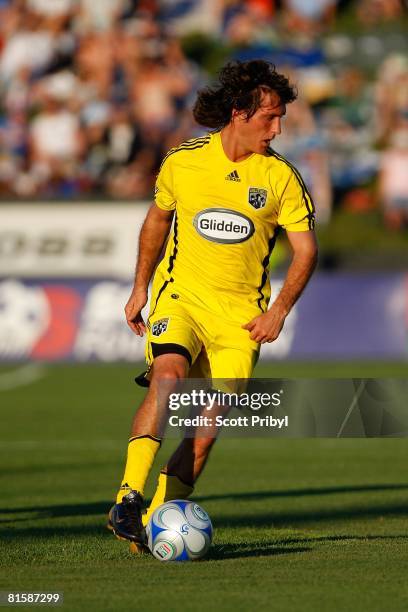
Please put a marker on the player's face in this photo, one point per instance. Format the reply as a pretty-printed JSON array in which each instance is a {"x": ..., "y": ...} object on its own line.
[{"x": 257, "y": 132}]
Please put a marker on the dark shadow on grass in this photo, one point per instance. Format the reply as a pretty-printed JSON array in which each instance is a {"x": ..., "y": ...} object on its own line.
[
  {"x": 343, "y": 511},
  {"x": 219, "y": 552},
  {"x": 51, "y": 537},
  {"x": 265, "y": 520},
  {"x": 342, "y": 538},
  {"x": 103, "y": 506},
  {"x": 305, "y": 517},
  {"x": 374, "y": 510},
  {"x": 304, "y": 492},
  {"x": 95, "y": 530}
]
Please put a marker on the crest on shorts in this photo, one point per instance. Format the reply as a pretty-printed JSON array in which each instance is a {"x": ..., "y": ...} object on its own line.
[
  {"x": 159, "y": 327},
  {"x": 257, "y": 197}
]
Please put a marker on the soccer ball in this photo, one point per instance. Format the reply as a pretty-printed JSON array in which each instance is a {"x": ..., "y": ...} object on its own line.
[{"x": 179, "y": 530}]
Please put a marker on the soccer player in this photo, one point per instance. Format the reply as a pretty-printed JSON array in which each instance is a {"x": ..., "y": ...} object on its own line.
[{"x": 227, "y": 195}]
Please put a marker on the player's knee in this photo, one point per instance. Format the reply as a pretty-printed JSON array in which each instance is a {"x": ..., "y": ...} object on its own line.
[
  {"x": 170, "y": 373},
  {"x": 169, "y": 370}
]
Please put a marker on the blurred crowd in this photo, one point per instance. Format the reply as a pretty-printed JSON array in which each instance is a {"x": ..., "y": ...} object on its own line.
[{"x": 94, "y": 92}]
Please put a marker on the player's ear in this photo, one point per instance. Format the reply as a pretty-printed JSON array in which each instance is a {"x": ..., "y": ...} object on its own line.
[{"x": 237, "y": 115}]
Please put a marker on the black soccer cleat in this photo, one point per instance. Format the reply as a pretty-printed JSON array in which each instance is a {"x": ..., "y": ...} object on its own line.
[{"x": 125, "y": 518}]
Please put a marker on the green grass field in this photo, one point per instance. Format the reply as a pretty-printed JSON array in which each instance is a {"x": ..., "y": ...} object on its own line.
[{"x": 300, "y": 524}]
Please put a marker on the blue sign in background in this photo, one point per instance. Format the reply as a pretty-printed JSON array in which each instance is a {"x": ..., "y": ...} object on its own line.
[
  {"x": 338, "y": 316},
  {"x": 353, "y": 316}
]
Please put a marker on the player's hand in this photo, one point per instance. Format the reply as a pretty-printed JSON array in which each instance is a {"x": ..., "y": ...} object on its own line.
[
  {"x": 133, "y": 311},
  {"x": 267, "y": 327}
]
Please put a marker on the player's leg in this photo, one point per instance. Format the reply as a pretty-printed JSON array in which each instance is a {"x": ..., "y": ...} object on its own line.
[
  {"x": 150, "y": 421},
  {"x": 190, "y": 457},
  {"x": 178, "y": 477},
  {"x": 172, "y": 345},
  {"x": 228, "y": 365},
  {"x": 125, "y": 517}
]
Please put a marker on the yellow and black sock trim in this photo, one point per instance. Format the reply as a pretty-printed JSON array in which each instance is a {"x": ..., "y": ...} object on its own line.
[{"x": 159, "y": 440}]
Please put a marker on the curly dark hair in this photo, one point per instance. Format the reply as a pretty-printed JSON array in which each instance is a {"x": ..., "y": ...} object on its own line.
[{"x": 240, "y": 87}]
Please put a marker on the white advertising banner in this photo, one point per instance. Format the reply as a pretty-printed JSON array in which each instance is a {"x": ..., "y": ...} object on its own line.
[{"x": 70, "y": 240}]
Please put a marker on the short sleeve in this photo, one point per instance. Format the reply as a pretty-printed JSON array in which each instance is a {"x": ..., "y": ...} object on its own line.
[
  {"x": 163, "y": 191},
  {"x": 296, "y": 211}
]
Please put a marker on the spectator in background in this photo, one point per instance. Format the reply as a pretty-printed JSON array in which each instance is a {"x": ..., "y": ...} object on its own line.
[
  {"x": 97, "y": 15},
  {"x": 55, "y": 141},
  {"x": 390, "y": 94},
  {"x": 393, "y": 185},
  {"x": 391, "y": 113},
  {"x": 309, "y": 16},
  {"x": 94, "y": 62},
  {"x": 112, "y": 77},
  {"x": 180, "y": 17},
  {"x": 123, "y": 137},
  {"x": 371, "y": 12},
  {"x": 159, "y": 93},
  {"x": 54, "y": 13},
  {"x": 353, "y": 99},
  {"x": 26, "y": 45},
  {"x": 130, "y": 162},
  {"x": 347, "y": 121},
  {"x": 95, "y": 119},
  {"x": 153, "y": 94},
  {"x": 302, "y": 143}
]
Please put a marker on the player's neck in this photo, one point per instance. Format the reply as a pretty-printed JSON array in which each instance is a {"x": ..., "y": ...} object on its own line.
[{"x": 233, "y": 148}]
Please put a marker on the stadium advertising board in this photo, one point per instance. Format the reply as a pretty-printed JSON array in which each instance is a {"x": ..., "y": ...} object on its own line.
[
  {"x": 83, "y": 320},
  {"x": 73, "y": 240}
]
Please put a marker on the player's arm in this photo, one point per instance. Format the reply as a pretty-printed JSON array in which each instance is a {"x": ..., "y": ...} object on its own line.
[
  {"x": 296, "y": 215},
  {"x": 153, "y": 234},
  {"x": 267, "y": 327}
]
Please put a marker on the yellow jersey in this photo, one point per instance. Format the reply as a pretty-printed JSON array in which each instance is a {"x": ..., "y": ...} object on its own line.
[{"x": 227, "y": 216}]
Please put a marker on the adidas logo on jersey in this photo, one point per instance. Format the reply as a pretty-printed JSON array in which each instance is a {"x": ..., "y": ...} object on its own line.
[{"x": 233, "y": 176}]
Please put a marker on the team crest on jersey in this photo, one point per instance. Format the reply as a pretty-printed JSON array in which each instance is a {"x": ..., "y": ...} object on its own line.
[
  {"x": 160, "y": 327},
  {"x": 257, "y": 197}
]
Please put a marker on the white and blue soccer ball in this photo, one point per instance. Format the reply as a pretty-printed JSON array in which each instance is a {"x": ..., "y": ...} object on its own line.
[{"x": 179, "y": 530}]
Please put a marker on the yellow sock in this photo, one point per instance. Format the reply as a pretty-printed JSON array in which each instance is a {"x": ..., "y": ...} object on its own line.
[
  {"x": 140, "y": 456},
  {"x": 168, "y": 487}
]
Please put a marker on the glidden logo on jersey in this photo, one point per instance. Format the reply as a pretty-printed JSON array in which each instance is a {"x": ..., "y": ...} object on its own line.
[{"x": 223, "y": 225}]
